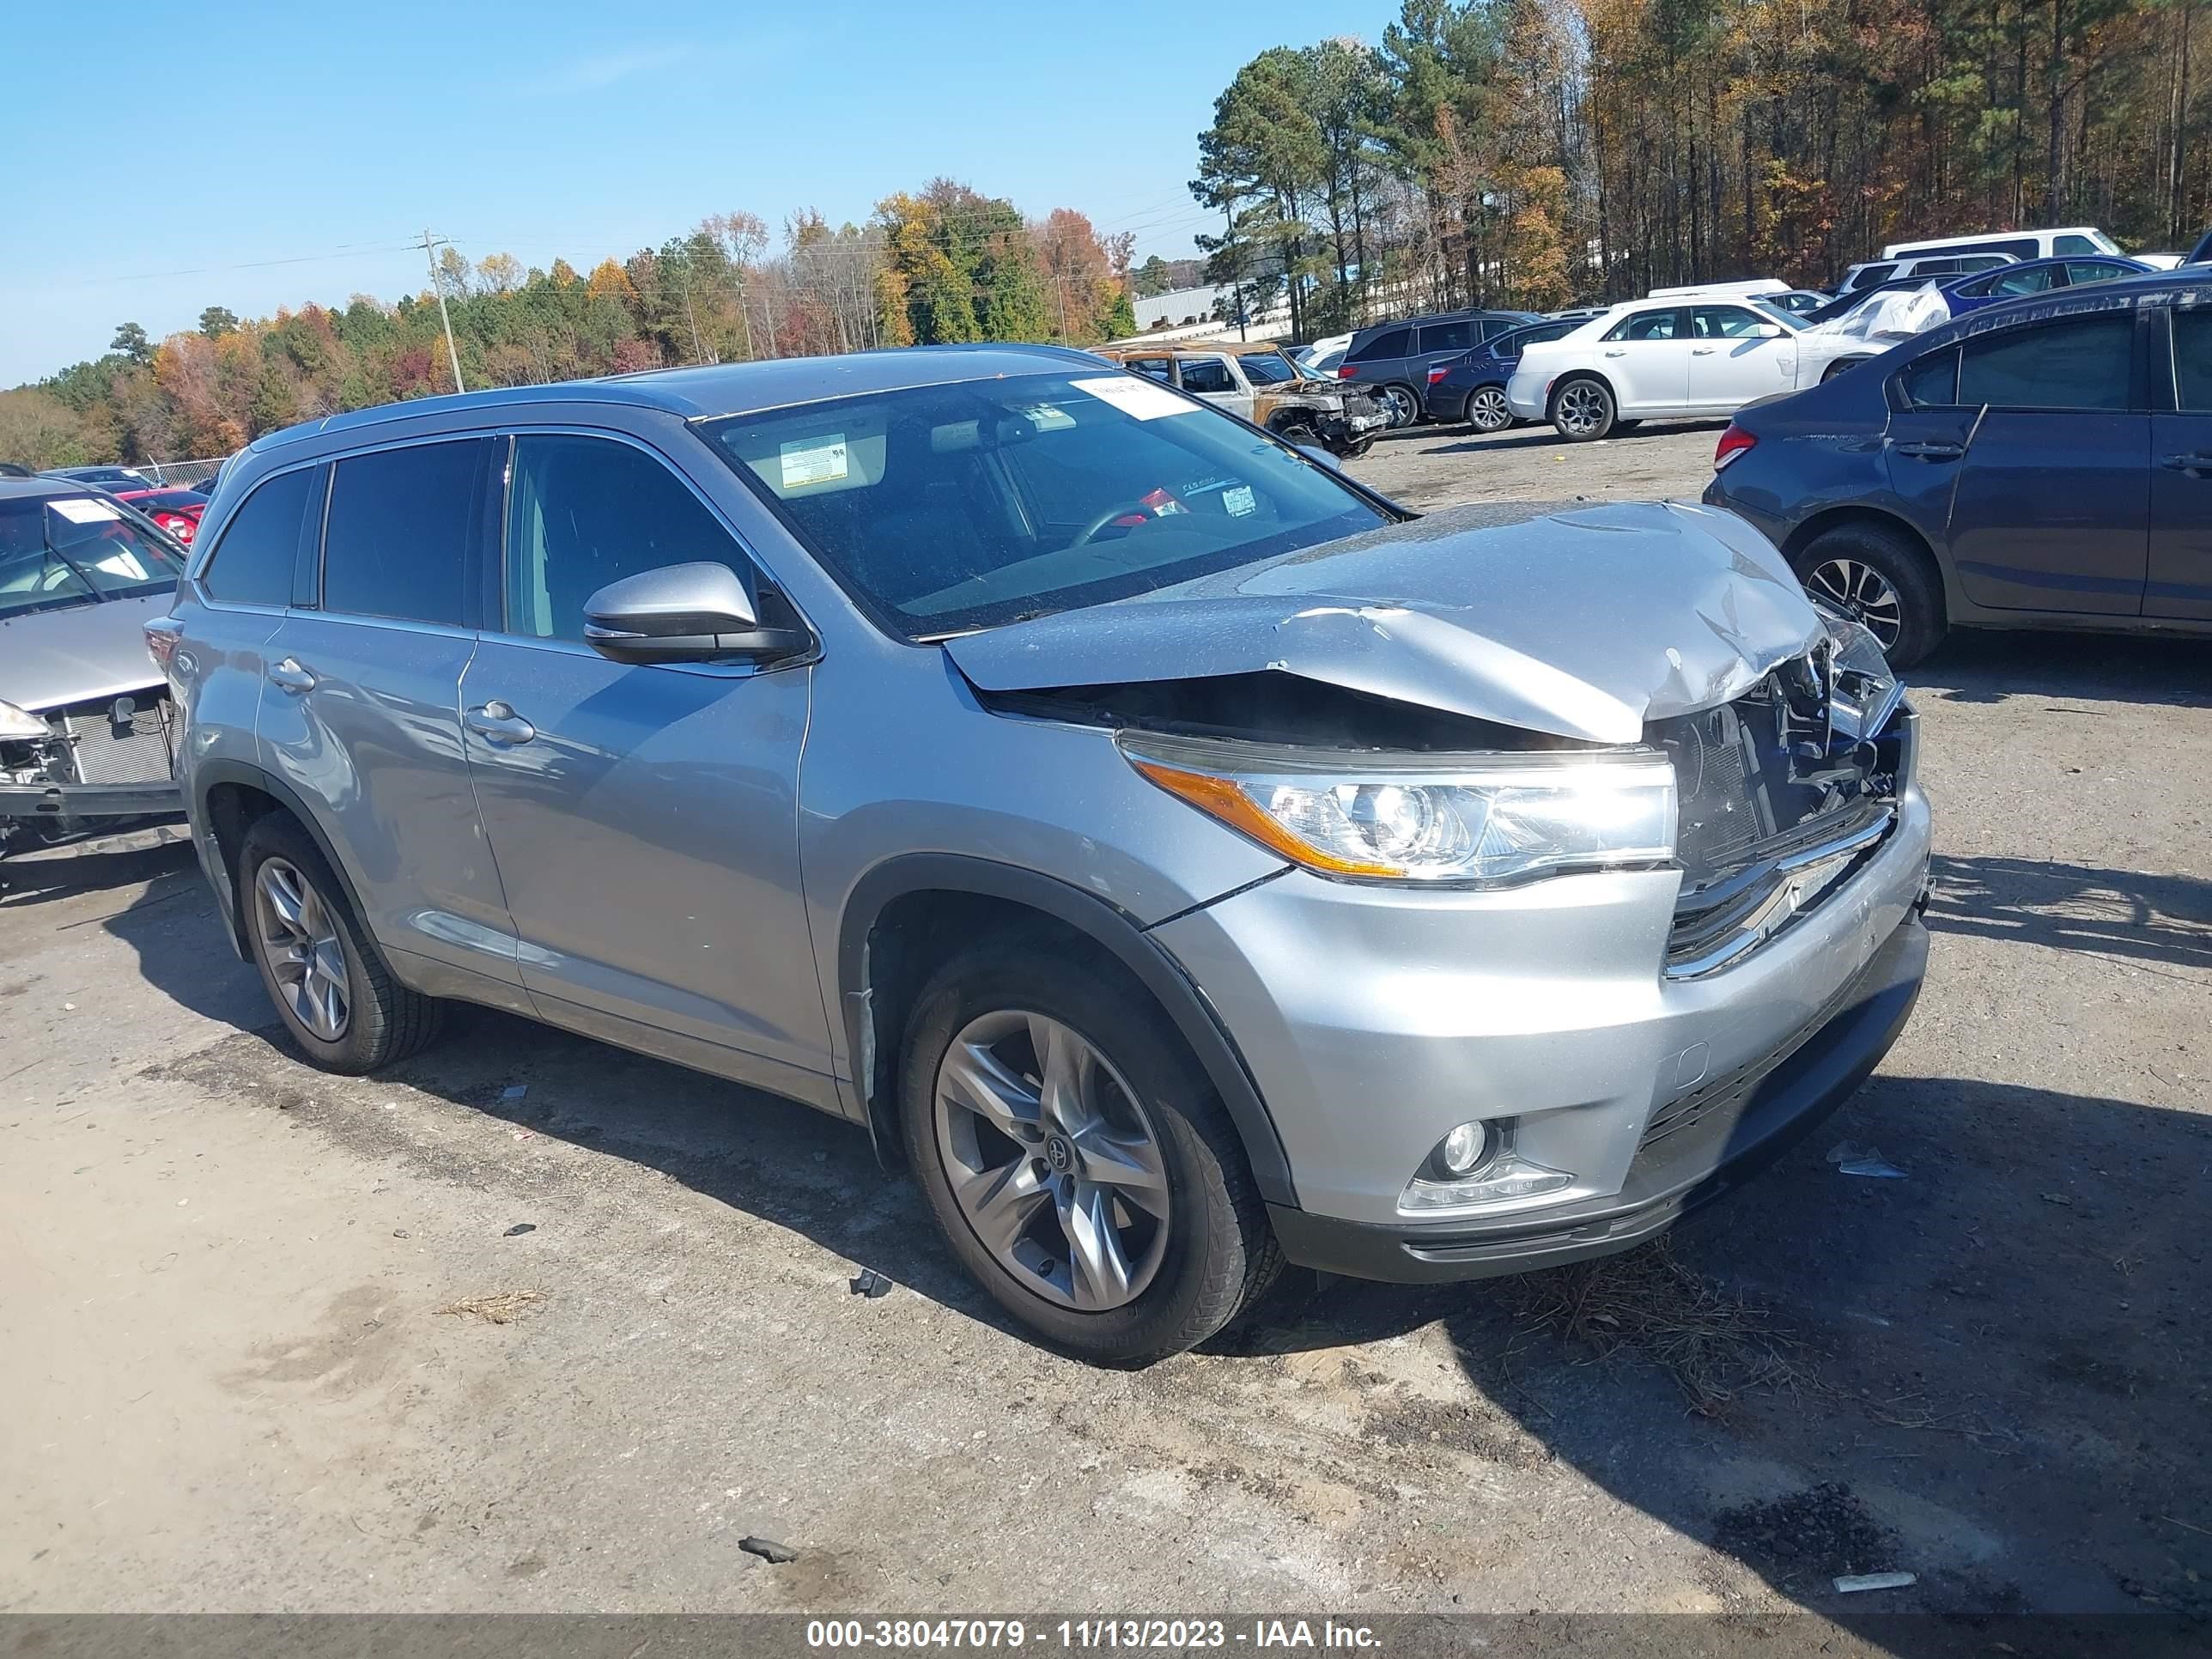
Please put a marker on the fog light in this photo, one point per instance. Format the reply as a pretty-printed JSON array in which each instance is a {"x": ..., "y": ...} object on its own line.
[
  {"x": 1463, "y": 1148},
  {"x": 1478, "y": 1163}
]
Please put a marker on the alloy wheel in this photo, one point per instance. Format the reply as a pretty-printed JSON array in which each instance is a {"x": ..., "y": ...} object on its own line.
[
  {"x": 1862, "y": 593},
  {"x": 300, "y": 940},
  {"x": 1580, "y": 410},
  {"x": 1052, "y": 1161},
  {"x": 1487, "y": 410},
  {"x": 1399, "y": 401}
]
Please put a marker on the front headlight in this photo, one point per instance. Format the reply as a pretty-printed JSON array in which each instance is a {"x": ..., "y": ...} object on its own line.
[
  {"x": 1450, "y": 818},
  {"x": 18, "y": 723}
]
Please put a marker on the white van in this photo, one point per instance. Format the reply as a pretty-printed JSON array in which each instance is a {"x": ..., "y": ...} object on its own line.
[
  {"x": 2021, "y": 244},
  {"x": 1920, "y": 267}
]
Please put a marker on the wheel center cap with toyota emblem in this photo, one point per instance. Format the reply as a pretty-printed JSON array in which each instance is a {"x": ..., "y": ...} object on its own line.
[{"x": 1060, "y": 1152}]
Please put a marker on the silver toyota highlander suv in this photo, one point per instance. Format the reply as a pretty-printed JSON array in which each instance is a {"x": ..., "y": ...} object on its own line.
[{"x": 1180, "y": 857}]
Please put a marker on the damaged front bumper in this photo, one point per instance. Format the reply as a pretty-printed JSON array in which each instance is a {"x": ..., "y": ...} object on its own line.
[
  {"x": 1375, "y": 1021},
  {"x": 90, "y": 768},
  {"x": 1747, "y": 1127}
]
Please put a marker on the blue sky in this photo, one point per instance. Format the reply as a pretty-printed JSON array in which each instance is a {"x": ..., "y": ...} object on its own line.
[{"x": 166, "y": 157}]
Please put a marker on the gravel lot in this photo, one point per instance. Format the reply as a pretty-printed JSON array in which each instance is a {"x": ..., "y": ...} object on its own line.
[{"x": 238, "y": 1370}]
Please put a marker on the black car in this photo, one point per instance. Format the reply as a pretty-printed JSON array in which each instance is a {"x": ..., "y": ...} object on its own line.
[
  {"x": 1393, "y": 359},
  {"x": 2043, "y": 463},
  {"x": 1472, "y": 387}
]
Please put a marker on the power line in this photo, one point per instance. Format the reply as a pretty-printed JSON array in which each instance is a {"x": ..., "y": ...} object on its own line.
[{"x": 357, "y": 251}]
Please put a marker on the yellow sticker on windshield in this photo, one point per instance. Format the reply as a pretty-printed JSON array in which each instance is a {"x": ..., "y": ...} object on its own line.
[{"x": 814, "y": 461}]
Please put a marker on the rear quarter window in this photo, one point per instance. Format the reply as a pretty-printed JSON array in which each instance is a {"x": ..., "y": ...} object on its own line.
[
  {"x": 1391, "y": 343},
  {"x": 254, "y": 562}
]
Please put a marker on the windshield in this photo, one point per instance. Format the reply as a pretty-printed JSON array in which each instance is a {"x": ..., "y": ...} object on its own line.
[
  {"x": 1789, "y": 319},
  {"x": 74, "y": 550},
  {"x": 946, "y": 509}
]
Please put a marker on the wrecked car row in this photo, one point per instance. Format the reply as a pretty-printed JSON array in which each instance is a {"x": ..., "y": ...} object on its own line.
[{"x": 87, "y": 739}]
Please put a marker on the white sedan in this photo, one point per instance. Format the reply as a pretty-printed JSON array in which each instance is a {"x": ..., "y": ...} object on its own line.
[{"x": 1659, "y": 360}]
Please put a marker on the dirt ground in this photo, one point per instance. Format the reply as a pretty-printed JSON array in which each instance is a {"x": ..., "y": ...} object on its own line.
[{"x": 244, "y": 1366}]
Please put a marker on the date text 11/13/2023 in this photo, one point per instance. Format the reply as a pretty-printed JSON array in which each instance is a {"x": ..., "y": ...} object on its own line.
[{"x": 1172, "y": 1635}]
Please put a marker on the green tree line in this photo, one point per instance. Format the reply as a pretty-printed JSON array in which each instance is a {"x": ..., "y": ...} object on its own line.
[
  {"x": 1535, "y": 152},
  {"x": 944, "y": 264}
]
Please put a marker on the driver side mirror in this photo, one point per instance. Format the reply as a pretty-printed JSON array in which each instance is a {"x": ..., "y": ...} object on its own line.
[
  {"x": 684, "y": 613},
  {"x": 1767, "y": 332}
]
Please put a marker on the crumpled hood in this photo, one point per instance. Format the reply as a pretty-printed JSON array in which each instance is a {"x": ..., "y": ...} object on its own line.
[
  {"x": 1580, "y": 620},
  {"x": 51, "y": 658}
]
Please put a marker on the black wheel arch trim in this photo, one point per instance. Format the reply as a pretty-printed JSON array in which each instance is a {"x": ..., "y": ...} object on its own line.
[
  {"x": 210, "y": 774},
  {"x": 1112, "y": 928}
]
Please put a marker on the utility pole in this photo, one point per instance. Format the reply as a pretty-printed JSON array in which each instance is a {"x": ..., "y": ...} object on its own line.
[{"x": 452, "y": 356}]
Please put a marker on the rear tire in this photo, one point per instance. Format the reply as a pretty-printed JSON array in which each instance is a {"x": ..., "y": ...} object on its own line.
[
  {"x": 331, "y": 985},
  {"x": 1880, "y": 577},
  {"x": 1168, "y": 1255},
  {"x": 1583, "y": 410},
  {"x": 1404, "y": 407},
  {"x": 1487, "y": 410}
]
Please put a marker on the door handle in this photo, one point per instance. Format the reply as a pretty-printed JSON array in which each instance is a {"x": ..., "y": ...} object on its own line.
[
  {"x": 1615, "y": 351},
  {"x": 495, "y": 722},
  {"x": 1701, "y": 351},
  {"x": 1920, "y": 450},
  {"x": 288, "y": 676},
  {"x": 2195, "y": 465}
]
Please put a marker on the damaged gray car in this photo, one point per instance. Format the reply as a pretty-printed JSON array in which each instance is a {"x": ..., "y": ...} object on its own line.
[
  {"x": 1182, "y": 859},
  {"x": 85, "y": 733}
]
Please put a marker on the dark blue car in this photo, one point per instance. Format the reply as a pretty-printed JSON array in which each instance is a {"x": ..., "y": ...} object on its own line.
[
  {"x": 1472, "y": 387},
  {"x": 2017, "y": 281},
  {"x": 2043, "y": 463}
]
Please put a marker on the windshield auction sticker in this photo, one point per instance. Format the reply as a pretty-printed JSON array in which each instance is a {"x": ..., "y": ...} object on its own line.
[
  {"x": 83, "y": 509},
  {"x": 814, "y": 461},
  {"x": 1132, "y": 396}
]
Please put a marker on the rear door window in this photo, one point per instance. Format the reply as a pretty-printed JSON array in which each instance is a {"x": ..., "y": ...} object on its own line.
[
  {"x": 1155, "y": 367},
  {"x": 1445, "y": 337},
  {"x": 254, "y": 562},
  {"x": 1645, "y": 326},
  {"x": 1391, "y": 343},
  {"x": 2080, "y": 363},
  {"x": 397, "y": 538},
  {"x": 2027, "y": 279},
  {"x": 1933, "y": 382}
]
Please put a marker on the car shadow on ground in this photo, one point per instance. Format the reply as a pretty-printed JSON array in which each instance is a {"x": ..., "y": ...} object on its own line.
[
  {"x": 1989, "y": 1371},
  {"x": 1978, "y": 665},
  {"x": 2070, "y": 907},
  {"x": 1533, "y": 436}
]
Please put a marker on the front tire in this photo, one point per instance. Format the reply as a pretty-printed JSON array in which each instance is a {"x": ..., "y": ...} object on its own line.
[
  {"x": 1075, "y": 1157},
  {"x": 1583, "y": 410},
  {"x": 331, "y": 985},
  {"x": 1881, "y": 579}
]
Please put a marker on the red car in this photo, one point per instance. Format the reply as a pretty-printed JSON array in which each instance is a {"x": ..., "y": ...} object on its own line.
[{"x": 176, "y": 511}]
